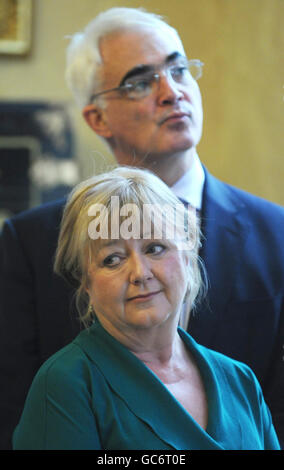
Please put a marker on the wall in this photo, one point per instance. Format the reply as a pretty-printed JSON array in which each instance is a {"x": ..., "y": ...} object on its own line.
[{"x": 241, "y": 43}]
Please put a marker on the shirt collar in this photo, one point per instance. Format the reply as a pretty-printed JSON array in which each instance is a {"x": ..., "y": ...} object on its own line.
[{"x": 190, "y": 186}]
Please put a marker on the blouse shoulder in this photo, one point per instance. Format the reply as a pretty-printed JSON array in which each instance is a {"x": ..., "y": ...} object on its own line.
[{"x": 69, "y": 365}]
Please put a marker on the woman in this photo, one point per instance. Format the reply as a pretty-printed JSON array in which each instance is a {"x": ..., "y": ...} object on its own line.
[{"x": 133, "y": 379}]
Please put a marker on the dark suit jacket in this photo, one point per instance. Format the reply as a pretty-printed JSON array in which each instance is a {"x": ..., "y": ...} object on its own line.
[{"x": 243, "y": 252}]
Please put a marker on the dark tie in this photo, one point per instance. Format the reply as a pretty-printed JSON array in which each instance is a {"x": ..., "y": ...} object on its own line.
[{"x": 188, "y": 205}]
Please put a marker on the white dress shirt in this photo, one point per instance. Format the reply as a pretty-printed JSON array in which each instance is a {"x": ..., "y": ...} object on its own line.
[{"x": 190, "y": 186}]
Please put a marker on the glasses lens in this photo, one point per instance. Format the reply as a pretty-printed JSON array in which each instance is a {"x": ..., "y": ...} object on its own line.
[
  {"x": 139, "y": 87},
  {"x": 143, "y": 85},
  {"x": 195, "y": 69}
]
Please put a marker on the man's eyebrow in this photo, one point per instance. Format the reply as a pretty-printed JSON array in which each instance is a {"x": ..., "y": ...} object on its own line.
[
  {"x": 140, "y": 69},
  {"x": 174, "y": 56},
  {"x": 136, "y": 71}
]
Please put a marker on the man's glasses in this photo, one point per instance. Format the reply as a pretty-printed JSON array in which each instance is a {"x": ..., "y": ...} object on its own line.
[{"x": 143, "y": 84}]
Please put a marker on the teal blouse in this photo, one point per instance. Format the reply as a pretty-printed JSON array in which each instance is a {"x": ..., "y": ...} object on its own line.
[{"x": 96, "y": 394}]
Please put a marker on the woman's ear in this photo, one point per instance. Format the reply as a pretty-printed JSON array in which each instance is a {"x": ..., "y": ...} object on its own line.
[
  {"x": 95, "y": 118},
  {"x": 87, "y": 286}
]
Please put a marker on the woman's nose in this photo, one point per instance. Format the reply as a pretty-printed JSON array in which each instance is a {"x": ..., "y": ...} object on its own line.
[{"x": 140, "y": 270}]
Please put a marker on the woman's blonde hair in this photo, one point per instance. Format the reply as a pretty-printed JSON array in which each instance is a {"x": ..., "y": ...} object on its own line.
[{"x": 77, "y": 242}]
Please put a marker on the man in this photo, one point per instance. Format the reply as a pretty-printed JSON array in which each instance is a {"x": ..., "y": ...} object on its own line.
[{"x": 130, "y": 76}]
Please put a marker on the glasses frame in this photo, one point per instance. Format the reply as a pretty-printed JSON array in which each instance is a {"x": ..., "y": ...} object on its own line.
[{"x": 124, "y": 88}]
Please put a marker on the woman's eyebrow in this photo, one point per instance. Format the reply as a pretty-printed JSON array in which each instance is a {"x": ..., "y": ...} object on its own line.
[
  {"x": 141, "y": 69},
  {"x": 107, "y": 243}
]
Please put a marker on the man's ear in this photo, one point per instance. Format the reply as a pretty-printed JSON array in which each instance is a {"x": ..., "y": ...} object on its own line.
[{"x": 94, "y": 117}]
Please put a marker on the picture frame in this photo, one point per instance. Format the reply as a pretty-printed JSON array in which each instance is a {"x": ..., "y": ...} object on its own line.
[{"x": 15, "y": 26}]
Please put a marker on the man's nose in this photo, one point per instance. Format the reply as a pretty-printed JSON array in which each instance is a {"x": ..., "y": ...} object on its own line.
[
  {"x": 169, "y": 91},
  {"x": 140, "y": 269}
]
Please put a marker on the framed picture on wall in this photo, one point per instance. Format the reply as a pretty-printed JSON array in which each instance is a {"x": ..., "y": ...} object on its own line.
[{"x": 15, "y": 26}]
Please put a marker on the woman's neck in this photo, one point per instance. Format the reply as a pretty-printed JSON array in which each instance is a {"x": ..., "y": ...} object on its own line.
[
  {"x": 157, "y": 344},
  {"x": 159, "y": 352}
]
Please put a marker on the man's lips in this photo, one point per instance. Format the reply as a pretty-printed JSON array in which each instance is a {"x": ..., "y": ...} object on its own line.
[
  {"x": 176, "y": 116},
  {"x": 142, "y": 297}
]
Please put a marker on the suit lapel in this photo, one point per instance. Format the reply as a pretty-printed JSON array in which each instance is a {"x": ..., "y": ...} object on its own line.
[{"x": 224, "y": 229}]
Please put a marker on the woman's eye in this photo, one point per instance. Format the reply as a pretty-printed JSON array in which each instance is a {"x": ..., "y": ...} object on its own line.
[
  {"x": 156, "y": 249},
  {"x": 111, "y": 260}
]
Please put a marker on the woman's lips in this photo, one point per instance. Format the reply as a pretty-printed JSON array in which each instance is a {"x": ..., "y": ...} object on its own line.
[{"x": 143, "y": 297}]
